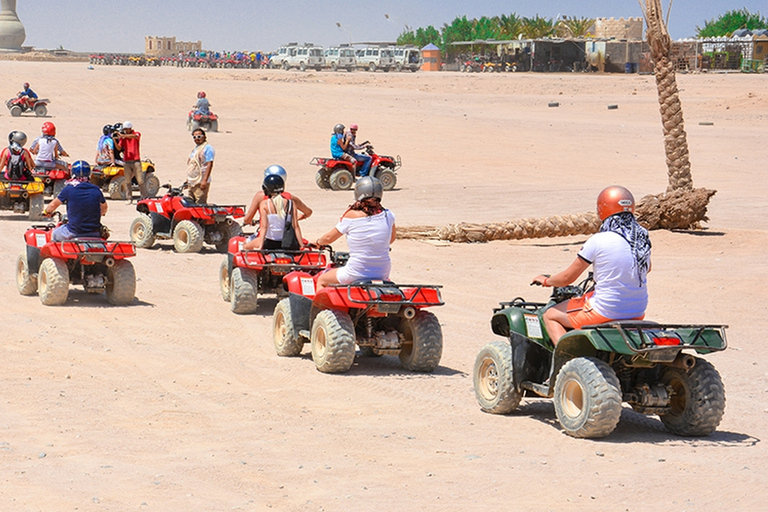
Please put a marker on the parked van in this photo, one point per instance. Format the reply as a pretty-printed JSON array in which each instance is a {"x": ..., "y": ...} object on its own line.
[
  {"x": 282, "y": 53},
  {"x": 307, "y": 56},
  {"x": 376, "y": 57},
  {"x": 340, "y": 57},
  {"x": 407, "y": 57}
]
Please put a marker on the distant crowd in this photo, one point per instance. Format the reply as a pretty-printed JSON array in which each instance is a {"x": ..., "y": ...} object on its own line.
[{"x": 196, "y": 59}]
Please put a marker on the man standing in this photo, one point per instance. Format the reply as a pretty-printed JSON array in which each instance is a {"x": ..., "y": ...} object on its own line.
[
  {"x": 199, "y": 167},
  {"x": 132, "y": 158}
]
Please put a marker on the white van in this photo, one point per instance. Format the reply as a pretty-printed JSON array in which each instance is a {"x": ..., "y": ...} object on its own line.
[
  {"x": 340, "y": 57},
  {"x": 282, "y": 53},
  {"x": 407, "y": 57},
  {"x": 376, "y": 57},
  {"x": 307, "y": 56}
]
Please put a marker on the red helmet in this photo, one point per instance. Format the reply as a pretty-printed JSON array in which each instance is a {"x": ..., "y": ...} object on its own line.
[
  {"x": 201, "y": 94},
  {"x": 26, "y": 85},
  {"x": 613, "y": 200},
  {"x": 49, "y": 129}
]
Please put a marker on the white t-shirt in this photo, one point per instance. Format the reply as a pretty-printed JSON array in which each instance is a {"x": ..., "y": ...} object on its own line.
[
  {"x": 618, "y": 292},
  {"x": 368, "y": 241}
]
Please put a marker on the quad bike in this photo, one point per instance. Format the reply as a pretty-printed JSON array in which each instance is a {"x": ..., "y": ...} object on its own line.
[
  {"x": 246, "y": 274},
  {"x": 47, "y": 268},
  {"x": 23, "y": 196},
  {"x": 19, "y": 105},
  {"x": 111, "y": 179},
  {"x": 208, "y": 122},
  {"x": 341, "y": 174},
  {"x": 189, "y": 224},
  {"x": 592, "y": 370},
  {"x": 54, "y": 179},
  {"x": 381, "y": 317}
]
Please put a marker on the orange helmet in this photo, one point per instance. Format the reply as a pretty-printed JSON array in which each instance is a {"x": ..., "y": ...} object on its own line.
[
  {"x": 49, "y": 129},
  {"x": 613, "y": 200}
]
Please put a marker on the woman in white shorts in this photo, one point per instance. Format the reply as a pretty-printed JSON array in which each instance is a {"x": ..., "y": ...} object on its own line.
[{"x": 370, "y": 229}]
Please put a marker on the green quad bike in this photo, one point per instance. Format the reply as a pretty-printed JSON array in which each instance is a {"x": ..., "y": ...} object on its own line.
[{"x": 594, "y": 369}]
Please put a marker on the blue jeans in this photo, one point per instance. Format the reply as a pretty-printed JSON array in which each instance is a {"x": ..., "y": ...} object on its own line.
[
  {"x": 63, "y": 233},
  {"x": 365, "y": 169}
]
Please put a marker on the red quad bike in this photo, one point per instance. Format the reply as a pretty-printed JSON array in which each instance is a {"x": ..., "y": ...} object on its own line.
[
  {"x": 47, "y": 268},
  {"x": 19, "y": 105},
  {"x": 381, "y": 317},
  {"x": 244, "y": 274},
  {"x": 189, "y": 224},
  {"x": 341, "y": 174},
  {"x": 208, "y": 122},
  {"x": 54, "y": 179}
]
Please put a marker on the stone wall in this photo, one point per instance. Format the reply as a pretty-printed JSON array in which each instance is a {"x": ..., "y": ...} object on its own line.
[{"x": 622, "y": 28}]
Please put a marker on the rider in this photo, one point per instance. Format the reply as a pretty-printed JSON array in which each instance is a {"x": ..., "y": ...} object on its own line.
[
  {"x": 48, "y": 149},
  {"x": 203, "y": 106},
  {"x": 105, "y": 149},
  {"x": 28, "y": 94},
  {"x": 621, "y": 257},
  {"x": 302, "y": 208},
  {"x": 274, "y": 212},
  {"x": 370, "y": 230},
  {"x": 85, "y": 206},
  {"x": 16, "y": 162},
  {"x": 339, "y": 145},
  {"x": 352, "y": 145}
]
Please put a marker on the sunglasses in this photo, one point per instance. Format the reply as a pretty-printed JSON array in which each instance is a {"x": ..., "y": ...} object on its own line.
[{"x": 198, "y": 136}]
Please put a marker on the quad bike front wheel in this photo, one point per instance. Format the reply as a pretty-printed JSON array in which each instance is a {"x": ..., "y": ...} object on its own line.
[
  {"x": 244, "y": 291},
  {"x": 388, "y": 179},
  {"x": 284, "y": 335},
  {"x": 333, "y": 341},
  {"x": 41, "y": 110},
  {"x": 15, "y": 111},
  {"x": 341, "y": 180},
  {"x": 224, "y": 280},
  {"x": 423, "y": 344},
  {"x": 587, "y": 398},
  {"x": 697, "y": 401},
  {"x": 187, "y": 236},
  {"x": 26, "y": 283},
  {"x": 121, "y": 283},
  {"x": 493, "y": 379},
  {"x": 53, "y": 282},
  {"x": 141, "y": 231}
]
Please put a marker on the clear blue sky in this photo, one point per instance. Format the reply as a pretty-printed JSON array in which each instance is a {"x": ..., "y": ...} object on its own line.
[{"x": 112, "y": 26}]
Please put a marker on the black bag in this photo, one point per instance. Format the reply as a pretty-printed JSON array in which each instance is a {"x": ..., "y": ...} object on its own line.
[{"x": 290, "y": 242}]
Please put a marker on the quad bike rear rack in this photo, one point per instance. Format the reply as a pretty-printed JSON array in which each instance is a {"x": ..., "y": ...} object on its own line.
[
  {"x": 642, "y": 337},
  {"x": 299, "y": 260},
  {"x": 95, "y": 246},
  {"x": 390, "y": 294}
]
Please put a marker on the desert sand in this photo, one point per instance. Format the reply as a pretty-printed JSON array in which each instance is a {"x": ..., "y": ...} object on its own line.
[{"x": 176, "y": 403}]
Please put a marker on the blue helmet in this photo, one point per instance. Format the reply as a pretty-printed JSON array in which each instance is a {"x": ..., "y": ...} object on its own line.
[{"x": 81, "y": 169}]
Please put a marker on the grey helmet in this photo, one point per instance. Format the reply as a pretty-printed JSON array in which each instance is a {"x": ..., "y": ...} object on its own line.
[
  {"x": 368, "y": 186},
  {"x": 278, "y": 170},
  {"x": 18, "y": 137},
  {"x": 339, "y": 128}
]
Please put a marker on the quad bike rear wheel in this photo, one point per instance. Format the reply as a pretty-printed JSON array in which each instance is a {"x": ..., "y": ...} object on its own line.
[
  {"x": 321, "y": 178},
  {"x": 151, "y": 184},
  {"x": 587, "y": 398},
  {"x": 214, "y": 126},
  {"x": 36, "y": 206},
  {"x": 15, "y": 111},
  {"x": 423, "y": 344},
  {"x": 697, "y": 399},
  {"x": 121, "y": 283},
  {"x": 53, "y": 282},
  {"x": 244, "y": 291},
  {"x": 41, "y": 110},
  {"x": 493, "y": 379},
  {"x": 228, "y": 230},
  {"x": 58, "y": 186},
  {"x": 224, "y": 280},
  {"x": 26, "y": 283},
  {"x": 333, "y": 341},
  {"x": 341, "y": 180},
  {"x": 284, "y": 335},
  {"x": 141, "y": 231},
  {"x": 187, "y": 236},
  {"x": 388, "y": 179},
  {"x": 118, "y": 189}
]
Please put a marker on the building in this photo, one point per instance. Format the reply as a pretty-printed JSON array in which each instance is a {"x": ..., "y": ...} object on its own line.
[
  {"x": 622, "y": 28},
  {"x": 155, "y": 46}
]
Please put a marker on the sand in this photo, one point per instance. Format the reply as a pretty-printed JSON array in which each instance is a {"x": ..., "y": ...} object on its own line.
[{"x": 176, "y": 403}]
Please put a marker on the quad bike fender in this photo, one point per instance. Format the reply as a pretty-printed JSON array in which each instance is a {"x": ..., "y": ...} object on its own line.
[
  {"x": 301, "y": 309},
  {"x": 235, "y": 245},
  {"x": 33, "y": 259},
  {"x": 58, "y": 174},
  {"x": 530, "y": 361},
  {"x": 300, "y": 283},
  {"x": 526, "y": 323},
  {"x": 160, "y": 223}
]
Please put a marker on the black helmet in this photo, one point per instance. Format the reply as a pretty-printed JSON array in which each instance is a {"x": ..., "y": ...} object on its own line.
[
  {"x": 273, "y": 184},
  {"x": 367, "y": 187},
  {"x": 107, "y": 129}
]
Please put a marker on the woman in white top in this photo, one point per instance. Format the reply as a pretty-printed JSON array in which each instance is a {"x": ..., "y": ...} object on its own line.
[
  {"x": 274, "y": 211},
  {"x": 370, "y": 229}
]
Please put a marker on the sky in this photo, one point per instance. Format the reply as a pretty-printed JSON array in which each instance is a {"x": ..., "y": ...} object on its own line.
[{"x": 227, "y": 25}]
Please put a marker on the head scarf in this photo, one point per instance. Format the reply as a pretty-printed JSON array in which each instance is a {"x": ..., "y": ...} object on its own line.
[{"x": 625, "y": 225}]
